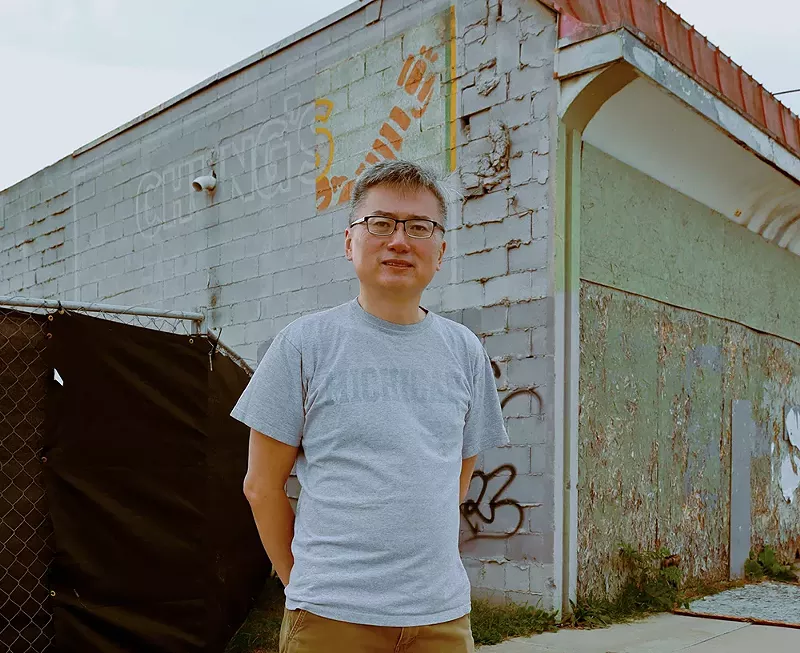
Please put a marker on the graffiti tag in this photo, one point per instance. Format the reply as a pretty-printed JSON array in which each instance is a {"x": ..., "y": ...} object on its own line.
[{"x": 471, "y": 508}]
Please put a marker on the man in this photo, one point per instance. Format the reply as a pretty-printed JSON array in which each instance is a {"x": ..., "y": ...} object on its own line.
[{"x": 391, "y": 405}]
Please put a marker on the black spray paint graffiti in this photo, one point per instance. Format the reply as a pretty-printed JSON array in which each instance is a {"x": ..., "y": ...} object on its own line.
[{"x": 470, "y": 509}]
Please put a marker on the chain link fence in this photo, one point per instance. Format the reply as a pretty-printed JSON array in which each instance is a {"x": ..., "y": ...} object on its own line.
[
  {"x": 25, "y": 534},
  {"x": 26, "y": 617}
]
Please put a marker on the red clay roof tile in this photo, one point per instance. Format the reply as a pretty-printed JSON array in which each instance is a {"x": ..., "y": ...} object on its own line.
[
  {"x": 729, "y": 79},
  {"x": 752, "y": 98},
  {"x": 677, "y": 36},
  {"x": 677, "y": 40},
  {"x": 791, "y": 128},
  {"x": 772, "y": 111},
  {"x": 705, "y": 62}
]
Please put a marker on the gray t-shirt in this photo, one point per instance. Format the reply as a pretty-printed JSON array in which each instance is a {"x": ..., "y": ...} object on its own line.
[{"x": 383, "y": 414}]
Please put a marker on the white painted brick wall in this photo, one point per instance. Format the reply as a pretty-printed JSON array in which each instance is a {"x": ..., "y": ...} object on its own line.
[{"x": 510, "y": 232}]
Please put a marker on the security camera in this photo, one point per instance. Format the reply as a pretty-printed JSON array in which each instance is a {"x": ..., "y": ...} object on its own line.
[{"x": 206, "y": 182}]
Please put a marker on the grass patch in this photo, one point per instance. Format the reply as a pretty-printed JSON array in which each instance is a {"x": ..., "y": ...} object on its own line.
[{"x": 491, "y": 623}]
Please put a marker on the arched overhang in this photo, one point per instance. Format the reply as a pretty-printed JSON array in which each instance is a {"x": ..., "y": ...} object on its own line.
[{"x": 644, "y": 111}]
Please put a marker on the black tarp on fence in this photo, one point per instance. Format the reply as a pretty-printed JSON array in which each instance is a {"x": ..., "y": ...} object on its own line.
[{"x": 154, "y": 545}]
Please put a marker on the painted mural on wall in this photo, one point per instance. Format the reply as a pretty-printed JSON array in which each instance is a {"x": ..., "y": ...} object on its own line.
[
  {"x": 658, "y": 387},
  {"x": 394, "y": 101}
]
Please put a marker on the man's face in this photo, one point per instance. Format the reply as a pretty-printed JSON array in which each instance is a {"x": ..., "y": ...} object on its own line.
[{"x": 397, "y": 263}]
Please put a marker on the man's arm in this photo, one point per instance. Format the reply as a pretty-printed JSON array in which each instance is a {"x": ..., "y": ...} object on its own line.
[
  {"x": 268, "y": 467},
  {"x": 467, "y": 465}
]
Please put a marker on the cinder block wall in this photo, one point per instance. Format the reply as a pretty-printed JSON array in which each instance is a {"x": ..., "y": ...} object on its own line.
[
  {"x": 503, "y": 252},
  {"x": 118, "y": 222}
]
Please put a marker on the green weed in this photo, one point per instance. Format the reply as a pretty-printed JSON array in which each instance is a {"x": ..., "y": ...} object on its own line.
[
  {"x": 651, "y": 585},
  {"x": 765, "y": 564}
]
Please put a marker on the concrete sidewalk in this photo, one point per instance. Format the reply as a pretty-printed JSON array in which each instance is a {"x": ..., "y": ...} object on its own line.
[{"x": 665, "y": 633}]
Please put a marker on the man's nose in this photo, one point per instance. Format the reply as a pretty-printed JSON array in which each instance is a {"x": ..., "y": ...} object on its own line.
[{"x": 398, "y": 236}]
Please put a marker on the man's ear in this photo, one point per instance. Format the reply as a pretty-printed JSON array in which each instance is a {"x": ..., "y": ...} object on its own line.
[
  {"x": 348, "y": 245},
  {"x": 442, "y": 250}
]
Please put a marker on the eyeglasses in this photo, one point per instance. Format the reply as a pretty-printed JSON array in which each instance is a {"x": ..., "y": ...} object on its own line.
[{"x": 380, "y": 225}]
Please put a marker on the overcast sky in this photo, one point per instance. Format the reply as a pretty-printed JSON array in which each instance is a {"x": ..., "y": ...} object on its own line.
[{"x": 76, "y": 69}]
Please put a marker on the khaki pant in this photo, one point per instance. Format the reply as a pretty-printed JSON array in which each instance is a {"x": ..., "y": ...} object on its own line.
[{"x": 306, "y": 632}]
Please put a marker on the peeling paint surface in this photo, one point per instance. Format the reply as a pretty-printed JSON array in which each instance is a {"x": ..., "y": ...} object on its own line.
[
  {"x": 657, "y": 385},
  {"x": 790, "y": 467}
]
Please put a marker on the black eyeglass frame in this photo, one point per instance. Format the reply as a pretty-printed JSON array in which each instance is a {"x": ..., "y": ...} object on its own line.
[{"x": 396, "y": 221}]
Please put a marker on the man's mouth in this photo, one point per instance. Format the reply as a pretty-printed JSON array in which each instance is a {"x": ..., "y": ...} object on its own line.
[{"x": 398, "y": 264}]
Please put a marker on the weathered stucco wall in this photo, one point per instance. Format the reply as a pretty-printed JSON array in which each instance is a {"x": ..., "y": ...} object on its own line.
[
  {"x": 659, "y": 383},
  {"x": 642, "y": 236},
  {"x": 658, "y": 386}
]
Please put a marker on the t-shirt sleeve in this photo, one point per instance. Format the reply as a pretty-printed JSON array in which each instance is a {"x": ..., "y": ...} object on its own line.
[
  {"x": 484, "y": 427},
  {"x": 273, "y": 401}
]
